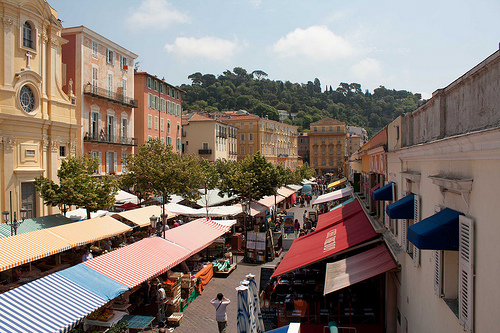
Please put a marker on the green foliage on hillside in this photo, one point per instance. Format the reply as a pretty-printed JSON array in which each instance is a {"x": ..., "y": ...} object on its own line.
[{"x": 254, "y": 92}]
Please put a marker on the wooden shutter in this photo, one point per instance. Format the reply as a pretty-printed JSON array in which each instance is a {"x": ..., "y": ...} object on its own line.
[
  {"x": 438, "y": 273},
  {"x": 115, "y": 162},
  {"x": 416, "y": 219},
  {"x": 99, "y": 125},
  {"x": 100, "y": 162},
  {"x": 466, "y": 273},
  {"x": 107, "y": 162}
]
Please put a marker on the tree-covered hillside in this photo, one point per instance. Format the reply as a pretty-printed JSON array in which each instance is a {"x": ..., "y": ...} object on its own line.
[{"x": 238, "y": 89}]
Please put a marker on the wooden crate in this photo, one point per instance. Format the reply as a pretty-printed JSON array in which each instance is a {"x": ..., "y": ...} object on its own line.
[{"x": 175, "y": 319}]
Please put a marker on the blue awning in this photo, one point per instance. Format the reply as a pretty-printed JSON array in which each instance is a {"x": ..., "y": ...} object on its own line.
[
  {"x": 401, "y": 209},
  {"x": 384, "y": 193},
  {"x": 437, "y": 232},
  {"x": 93, "y": 281},
  {"x": 60, "y": 305}
]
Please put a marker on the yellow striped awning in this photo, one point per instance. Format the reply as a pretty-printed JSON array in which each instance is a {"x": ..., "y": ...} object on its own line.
[
  {"x": 24, "y": 248},
  {"x": 140, "y": 216},
  {"x": 88, "y": 231},
  {"x": 337, "y": 182}
]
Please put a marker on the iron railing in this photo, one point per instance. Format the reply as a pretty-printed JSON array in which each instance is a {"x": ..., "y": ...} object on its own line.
[
  {"x": 109, "y": 95},
  {"x": 205, "y": 151},
  {"x": 104, "y": 138}
]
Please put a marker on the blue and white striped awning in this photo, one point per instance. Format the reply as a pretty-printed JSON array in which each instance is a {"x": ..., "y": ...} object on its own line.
[{"x": 60, "y": 305}]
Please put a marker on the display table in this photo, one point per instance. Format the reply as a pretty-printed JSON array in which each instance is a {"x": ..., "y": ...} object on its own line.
[
  {"x": 139, "y": 322},
  {"x": 204, "y": 276},
  {"x": 117, "y": 316},
  {"x": 120, "y": 307}
]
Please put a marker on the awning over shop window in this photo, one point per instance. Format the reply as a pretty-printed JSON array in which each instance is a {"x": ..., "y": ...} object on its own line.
[
  {"x": 36, "y": 223},
  {"x": 348, "y": 201},
  {"x": 323, "y": 243},
  {"x": 354, "y": 269},
  {"x": 196, "y": 235},
  {"x": 337, "y": 215},
  {"x": 401, "y": 209},
  {"x": 47, "y": 305},
  {"x": 437, "y": 232},
  {"x": 140, "y": 261},
  {"x": 385, "y": 193},
  {"x": 344, "y": 192},
  {"x": 285, "y": 192},
  {"x": 337, "y": 182}
]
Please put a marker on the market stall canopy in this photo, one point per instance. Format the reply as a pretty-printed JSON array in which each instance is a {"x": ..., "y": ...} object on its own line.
[
  {"x": 128, "y": 206},
  {"x": 308, "y": 182},
  {"x": 47, "y": 305},
  {"x": 255, "y": 209},
  {"x": 140, "y": 261},
  {"x": 227, "y": 223},
  {"x": 268, "y": 201},
  {"x": 348, "y": 201},
  {"x": 402, "y": 209},
  {"x": 24, "y": 248},
  {"x": 339, "y": 214},
  {"x": 325, "y": 242},
  {"x": 81, "y": 214},
  {"x": 196, "y": 235},
  {"x": 339, "y": 194},
  {"x": 385, "y": 193},
  {"x": 88, "y": 231},
  {"x": 357, "y": 268},
  {"x": 123, "y": 197},
  {"x": 218, "y": 211},
  {"x": 35, "y": 223},
  {"x": 294, "y": 187},
  {"x": 437, "y": 232},
  {"x": 140, "y": 216},
  {"x": 286, "y": 192},
  {"x": 213, "y": 198},
  {"x": 180, "y": 209},
  {"x": 337, "y": 182}
]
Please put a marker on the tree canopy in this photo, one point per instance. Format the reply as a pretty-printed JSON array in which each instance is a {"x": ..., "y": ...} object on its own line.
[
  {"x": 237, "y": 89},
  {"x": 78, "y": 186}
]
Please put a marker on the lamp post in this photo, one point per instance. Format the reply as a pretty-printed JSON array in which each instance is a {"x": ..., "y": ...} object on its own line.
[
  {"x": 15, "y": 223},
  {"x": 154, "y": 221}
]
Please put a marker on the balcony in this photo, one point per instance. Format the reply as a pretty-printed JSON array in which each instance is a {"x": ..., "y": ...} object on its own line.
[
  {"x": 222, "y": 135},
  {"x": 205, "y": 151},
  {"x": 113, "y": 139},
  {"x": 109, "y": 95}
]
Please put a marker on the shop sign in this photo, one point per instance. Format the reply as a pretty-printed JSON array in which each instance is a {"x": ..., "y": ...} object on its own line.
[
  {"x": 288, "y": 223},
  {"x": 330, "y": 240}
]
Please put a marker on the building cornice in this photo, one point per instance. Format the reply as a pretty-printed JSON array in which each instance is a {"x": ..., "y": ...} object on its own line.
[{"x": 480, "y": 145}]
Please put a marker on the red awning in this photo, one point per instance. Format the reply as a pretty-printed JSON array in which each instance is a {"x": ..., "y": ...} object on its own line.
[
  {"x": 346, "y": 272},
  {"x": 337, "y": 215},
  {"x": 325, "y": 242},
  {"x": 196, "y": 235},
  {"x": 128, "y": 206},
  {"x": 140, "y": 261}
]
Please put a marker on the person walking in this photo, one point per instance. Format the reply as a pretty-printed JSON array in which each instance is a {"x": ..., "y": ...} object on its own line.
[
  {"x": 220, "y": 303},
  {"x": 296, "y": 226}
]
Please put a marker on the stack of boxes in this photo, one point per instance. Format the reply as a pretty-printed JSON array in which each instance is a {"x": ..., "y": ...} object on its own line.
[
  {"x": 173, "y": 291},
  {"x": 187, "y": 288}
]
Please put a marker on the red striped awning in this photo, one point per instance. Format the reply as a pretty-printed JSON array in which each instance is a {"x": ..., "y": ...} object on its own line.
[
  {"x": 140, "y": 261},
  {"x": 196, "y": 235}
]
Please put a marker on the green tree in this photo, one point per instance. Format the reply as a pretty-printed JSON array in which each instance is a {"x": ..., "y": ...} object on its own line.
[
  {"x": 209, "y": 179},
  {"x": 78, "y": 186}
]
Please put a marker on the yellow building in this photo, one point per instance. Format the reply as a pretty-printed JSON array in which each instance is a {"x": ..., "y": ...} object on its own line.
[
  {"x": 37, "y": 119},
  {"x": 208, "y": 137},
  {"x": 327, "y": 140},
  {"x": 276, "y": 141}
]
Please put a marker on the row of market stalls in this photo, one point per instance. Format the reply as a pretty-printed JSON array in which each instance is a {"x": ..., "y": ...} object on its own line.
[{"x": 335, "y": 275}]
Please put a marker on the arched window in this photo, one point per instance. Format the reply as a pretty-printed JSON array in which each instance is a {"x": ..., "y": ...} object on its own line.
[{"x": 27, "y": 35}]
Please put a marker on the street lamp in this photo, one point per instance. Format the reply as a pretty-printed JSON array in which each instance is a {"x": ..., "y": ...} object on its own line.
[
  {"x": 15, "y": 223},
  {"x": 154, "y": 221}
]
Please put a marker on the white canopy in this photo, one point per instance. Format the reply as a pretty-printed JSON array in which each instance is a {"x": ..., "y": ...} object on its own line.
[
  {"x": 180, "y": 209},
  {"x": 219, "y": 211},
  {"x": 123, "y": 197},
  {"x": 81, "y": 214}
]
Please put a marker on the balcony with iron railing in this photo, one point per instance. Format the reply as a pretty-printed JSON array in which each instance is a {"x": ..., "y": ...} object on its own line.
[
  {"x": 205, "y": 151},
  {"x": 113, "y": 139},
  {"x": 108, "y": 95}
]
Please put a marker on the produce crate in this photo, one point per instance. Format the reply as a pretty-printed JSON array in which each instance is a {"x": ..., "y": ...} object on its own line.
[{"x": 175, "y": 319}]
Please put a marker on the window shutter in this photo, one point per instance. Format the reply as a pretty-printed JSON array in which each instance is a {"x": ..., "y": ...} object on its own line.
[
  {"x": 404, "y": 223},
  {"x": 437, "y": 273},
  {"x": 416, "y": 219},
  {"x": 466, "y": 273},
  {"x": 115, "y": 162},
  {"x": 99, "y": 124},
  {"x": 107, "y": 162},
  {"x": 90, "y": 124},
  {"x": 100, "y": 162}
]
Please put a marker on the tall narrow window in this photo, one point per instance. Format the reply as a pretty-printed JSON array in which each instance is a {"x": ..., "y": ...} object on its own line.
[
  {"x": 94, "y": 125},
  {"x": 110, "y": 85},
  {"x": 168, "y": 126},
  {"x": 124, "y": 129},
  {"x": 94, "y": 49},
  {"x": 27, "y": 35},
  {"x": 150, "y": 121},
  {"x": 94, "y": 80},
  {"x": 156, "y": 123},
  {"x": 111, "y": 128},
  {"x": 162, "y": 124},
  {"x": 124, "y": 89}
]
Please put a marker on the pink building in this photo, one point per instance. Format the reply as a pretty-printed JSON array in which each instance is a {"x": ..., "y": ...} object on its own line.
[
  {"x": 158, "y": 113},
  {"x": 101, "y": 75}
]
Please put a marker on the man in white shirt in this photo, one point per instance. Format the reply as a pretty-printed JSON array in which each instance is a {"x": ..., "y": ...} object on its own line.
[{"x": 220, "y": 303}]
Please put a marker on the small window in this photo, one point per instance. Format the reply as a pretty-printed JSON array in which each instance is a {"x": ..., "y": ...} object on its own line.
[
  {"x": 242, "y": 137},
  {"x": 27, "y": 35},
  {"x": 62, "y": 151},
  {"x": 94, "y": 49},
  {"x": 110, "y": 57},
  {"x": 124, "y": 63},
  {"x": 150, "y": 121}
]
